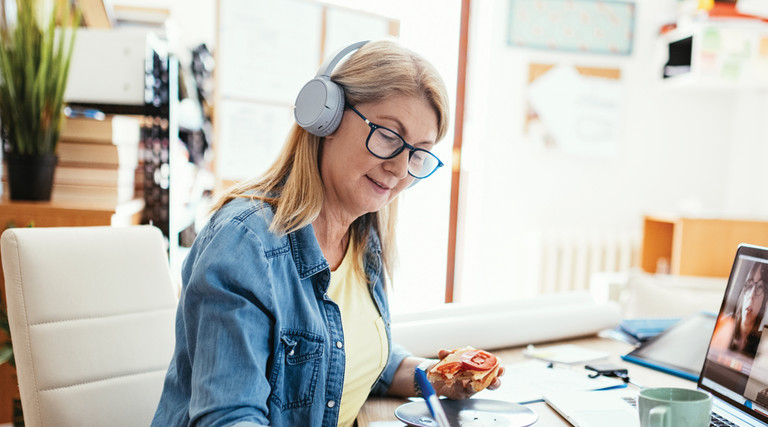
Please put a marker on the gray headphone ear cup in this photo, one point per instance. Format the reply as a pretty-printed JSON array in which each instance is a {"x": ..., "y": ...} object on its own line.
[
  {"x": 319, "y": 106},
  {"x": 338, "y": 113}
]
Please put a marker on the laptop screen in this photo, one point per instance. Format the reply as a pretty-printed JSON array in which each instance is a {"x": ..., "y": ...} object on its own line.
[{"x": 736, "y": 365}]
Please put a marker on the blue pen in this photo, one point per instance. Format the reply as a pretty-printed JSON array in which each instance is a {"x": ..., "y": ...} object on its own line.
[{"x": 433, "y": 402}]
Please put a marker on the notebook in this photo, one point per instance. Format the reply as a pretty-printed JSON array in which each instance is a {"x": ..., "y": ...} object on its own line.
[
  {"x": 735, "y": 368},
  {"x": 645, "y": 328}
]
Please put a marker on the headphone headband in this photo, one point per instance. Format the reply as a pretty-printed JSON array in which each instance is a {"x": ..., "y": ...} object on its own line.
[
  {"x": 320, "y": 103},
  {"x": 330, "y": 63}
]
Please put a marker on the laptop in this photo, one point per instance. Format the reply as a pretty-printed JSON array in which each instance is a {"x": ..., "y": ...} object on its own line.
[{"x": 735, "y": 369}]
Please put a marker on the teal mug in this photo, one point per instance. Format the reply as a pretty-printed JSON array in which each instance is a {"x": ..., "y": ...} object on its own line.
[{"x": 674, "y": 407}]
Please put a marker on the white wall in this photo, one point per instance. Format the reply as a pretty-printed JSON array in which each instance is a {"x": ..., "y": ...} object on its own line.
[
  {"x": 679, "y": 151},
  {"x": 747, "y": 166}
]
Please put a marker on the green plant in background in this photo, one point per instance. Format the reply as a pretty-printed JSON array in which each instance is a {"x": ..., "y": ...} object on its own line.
[
  {"x": 6, "y": 348},
  {"x": 34, "y": 64}
]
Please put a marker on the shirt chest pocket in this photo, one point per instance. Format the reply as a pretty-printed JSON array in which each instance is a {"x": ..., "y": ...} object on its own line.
[{"x": 294, "y": 374}]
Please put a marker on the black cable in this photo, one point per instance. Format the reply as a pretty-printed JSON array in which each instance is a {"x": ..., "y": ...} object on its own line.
[{"x": 621, "y": 373}]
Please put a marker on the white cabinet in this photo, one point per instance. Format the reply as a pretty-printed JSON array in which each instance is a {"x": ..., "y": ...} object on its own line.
[{"x": 719, "y": 53}]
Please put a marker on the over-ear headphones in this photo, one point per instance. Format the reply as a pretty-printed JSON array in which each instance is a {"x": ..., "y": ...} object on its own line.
[{"x": 320, "y": 104}]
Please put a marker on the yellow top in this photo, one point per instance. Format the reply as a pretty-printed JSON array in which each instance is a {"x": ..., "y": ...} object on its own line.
[{"x": 365, "y": 338}]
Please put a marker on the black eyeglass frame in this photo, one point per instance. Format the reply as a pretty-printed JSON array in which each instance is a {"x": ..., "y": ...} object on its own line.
[
  {"x": 754, "y": 286},
  {"x": 411, "y": 148}
]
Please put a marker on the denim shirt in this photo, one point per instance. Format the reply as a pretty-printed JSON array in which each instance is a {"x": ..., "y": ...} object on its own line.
[{"x": 258, "y": 341}]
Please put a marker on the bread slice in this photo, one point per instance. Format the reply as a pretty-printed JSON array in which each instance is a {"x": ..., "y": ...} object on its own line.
[{"x": 451, "y": 370}]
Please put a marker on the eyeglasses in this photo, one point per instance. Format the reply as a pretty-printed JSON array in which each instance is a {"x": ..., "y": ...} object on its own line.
[
  {"x": 756, "y": 287},
  {"x": 385, "y": 144}
]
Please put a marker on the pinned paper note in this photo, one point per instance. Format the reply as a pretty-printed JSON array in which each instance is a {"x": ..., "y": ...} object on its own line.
[
  {"x": 579, "y": 109},
  {"x": 565, "y": 353}
]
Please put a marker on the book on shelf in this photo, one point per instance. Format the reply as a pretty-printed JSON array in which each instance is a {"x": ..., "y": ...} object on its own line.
[
  {"x": 116, "y": 129},
  {"x": 85, "y": 176},
  {"x": 98, "y": 160},
  {"x": 109, "y": 195},
  {"x": 107, "y": 185},
  {"x": 103, "y": 177},
  {"x": 110, "y": 143},
  {"x": 85, "y": 154}
]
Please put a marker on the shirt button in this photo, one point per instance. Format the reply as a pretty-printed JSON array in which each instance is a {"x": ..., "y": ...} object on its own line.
[
  {"x": 339, "y": 344},
  {"x": 331, "y": 403}
]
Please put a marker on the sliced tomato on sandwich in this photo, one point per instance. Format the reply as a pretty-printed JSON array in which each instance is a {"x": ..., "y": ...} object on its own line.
[
  {"x": 449, "y": 368},
  {"x": 478, "y": 360}
]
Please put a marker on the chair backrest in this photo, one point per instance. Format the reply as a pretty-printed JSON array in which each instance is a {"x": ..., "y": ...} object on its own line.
[{"x": 91, "y": 312}]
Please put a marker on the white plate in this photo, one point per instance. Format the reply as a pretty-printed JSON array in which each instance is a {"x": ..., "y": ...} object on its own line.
[{"x": 469, "y": 413}]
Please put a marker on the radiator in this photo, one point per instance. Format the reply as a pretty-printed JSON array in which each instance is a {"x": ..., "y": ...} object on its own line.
[{"x": 567, "y": 259}]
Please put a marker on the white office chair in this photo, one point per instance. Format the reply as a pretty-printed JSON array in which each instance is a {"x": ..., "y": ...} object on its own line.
[{"x": 91, "y": 311}]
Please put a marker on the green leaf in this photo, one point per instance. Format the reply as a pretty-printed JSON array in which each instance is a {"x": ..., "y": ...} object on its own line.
[{"x": 6, "y": 353}]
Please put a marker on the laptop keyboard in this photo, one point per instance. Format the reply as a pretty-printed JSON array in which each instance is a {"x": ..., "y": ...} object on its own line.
[
  {"x": 715, "y": 421},
  {"x": 718, "y": 421},
  {"x": 631, "y": 400}
]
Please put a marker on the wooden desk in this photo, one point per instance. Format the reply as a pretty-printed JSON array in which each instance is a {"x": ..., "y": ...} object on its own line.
[{"x": 383, "y": 409}]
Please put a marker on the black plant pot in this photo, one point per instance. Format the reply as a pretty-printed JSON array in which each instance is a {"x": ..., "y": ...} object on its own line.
[{"x": 30, "y": 177}]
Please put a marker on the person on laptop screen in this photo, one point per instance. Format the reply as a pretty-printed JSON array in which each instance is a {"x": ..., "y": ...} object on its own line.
[
  {"x": 757, "y": 384},
  {"x": 735, "y": 353},
  {"x": 740, "y": 330}
]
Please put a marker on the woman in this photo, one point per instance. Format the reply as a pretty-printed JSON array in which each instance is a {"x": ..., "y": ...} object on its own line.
[
  {"x": 749, "y": 312},
  {"x": 283, "y": 318}
]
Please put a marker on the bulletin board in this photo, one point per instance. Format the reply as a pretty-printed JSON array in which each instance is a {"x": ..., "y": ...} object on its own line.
[
  {"x": 574, "y": 109},
  {"x": 266, "y": 50},
  {"x": 584, "y": 26}
]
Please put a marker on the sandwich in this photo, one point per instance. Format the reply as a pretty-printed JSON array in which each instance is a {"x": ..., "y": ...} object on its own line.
[{"x": 479, "y": 367}]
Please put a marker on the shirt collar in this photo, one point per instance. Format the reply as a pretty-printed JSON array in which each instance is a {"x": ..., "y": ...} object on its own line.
[
  {"x": 306, "y": 252},
  {"x": 310, "y": 260}
]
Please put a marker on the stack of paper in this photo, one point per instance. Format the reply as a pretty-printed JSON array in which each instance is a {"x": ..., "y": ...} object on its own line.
[{"x": 527, "y": 382}]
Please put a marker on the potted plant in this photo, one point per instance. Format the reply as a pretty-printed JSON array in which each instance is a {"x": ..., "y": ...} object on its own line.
[{"x": 34, "y": 64}]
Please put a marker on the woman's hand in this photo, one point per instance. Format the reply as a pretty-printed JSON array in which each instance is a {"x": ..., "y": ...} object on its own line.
[{"x": 461, "y": 389}]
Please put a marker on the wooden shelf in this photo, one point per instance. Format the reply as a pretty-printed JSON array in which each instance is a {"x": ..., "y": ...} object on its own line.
[
  {"x": 697, "y": 246},
  {"x": 68, "y": 214},
  {"x": 720, "y": 54}
]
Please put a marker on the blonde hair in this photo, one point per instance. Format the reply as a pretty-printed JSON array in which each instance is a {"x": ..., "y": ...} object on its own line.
[{"x": 293, "y": 186}]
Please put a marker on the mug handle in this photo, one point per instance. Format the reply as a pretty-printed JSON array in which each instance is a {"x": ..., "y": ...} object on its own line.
[{"x": 656, "y": 416}]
